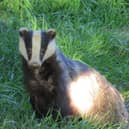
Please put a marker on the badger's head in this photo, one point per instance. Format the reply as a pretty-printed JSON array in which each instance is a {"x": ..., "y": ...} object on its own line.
[{"x": 36, "y": 46}]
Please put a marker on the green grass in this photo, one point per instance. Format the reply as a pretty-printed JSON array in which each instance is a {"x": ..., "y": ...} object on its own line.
[{"x": 93, "y": 31}]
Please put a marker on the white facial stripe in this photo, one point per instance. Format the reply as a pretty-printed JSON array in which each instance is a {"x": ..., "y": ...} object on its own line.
[
  {"x": 36, "y": 45},
  {"x": 22, "y": 48},
  {"x": 51, "y": 49}
]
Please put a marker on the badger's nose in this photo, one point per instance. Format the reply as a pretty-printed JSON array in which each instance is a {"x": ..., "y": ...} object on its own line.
[{"x": 34, "y": 65}]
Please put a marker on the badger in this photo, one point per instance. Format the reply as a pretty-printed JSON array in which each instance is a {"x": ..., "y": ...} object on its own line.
[{"x": 56, "y": 83}]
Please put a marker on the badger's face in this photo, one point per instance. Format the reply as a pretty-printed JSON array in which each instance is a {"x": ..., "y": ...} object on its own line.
[{"x": 36, "y": 46}]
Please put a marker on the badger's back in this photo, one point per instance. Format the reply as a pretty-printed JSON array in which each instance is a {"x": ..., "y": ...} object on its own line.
[{"x": 92, "y": 96}]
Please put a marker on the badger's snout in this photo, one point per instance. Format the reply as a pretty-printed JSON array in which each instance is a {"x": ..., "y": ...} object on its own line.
[{"x": 34, "y": 65}]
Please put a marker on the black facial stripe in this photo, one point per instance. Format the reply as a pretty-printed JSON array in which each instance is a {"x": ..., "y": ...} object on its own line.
[
  {"x": 28, "y": 43},
  {"x": 44, "y": 44}
]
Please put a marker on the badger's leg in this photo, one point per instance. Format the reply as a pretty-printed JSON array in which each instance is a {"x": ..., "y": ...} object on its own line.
[
  {"x": 39, "y": 106},
  {"x": 35, "y": 107}
]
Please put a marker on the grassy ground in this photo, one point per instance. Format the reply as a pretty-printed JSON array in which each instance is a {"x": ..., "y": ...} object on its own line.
[{"x": 93, "y": 31}]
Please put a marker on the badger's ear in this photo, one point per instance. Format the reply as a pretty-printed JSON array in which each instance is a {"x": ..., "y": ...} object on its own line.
[
  {"x": 51, "y": 33},
  {"x": 23, "y": 31}
]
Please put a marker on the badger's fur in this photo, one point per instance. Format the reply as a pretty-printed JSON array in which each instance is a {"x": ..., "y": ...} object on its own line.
[{"x": 57, "y": 83}]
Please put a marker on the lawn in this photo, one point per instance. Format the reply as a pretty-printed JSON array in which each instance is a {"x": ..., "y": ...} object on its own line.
[{"x": 93, "y": 31}]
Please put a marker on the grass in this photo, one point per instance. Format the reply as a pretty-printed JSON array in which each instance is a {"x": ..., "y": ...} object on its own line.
[{"x": 93, "y": 31}]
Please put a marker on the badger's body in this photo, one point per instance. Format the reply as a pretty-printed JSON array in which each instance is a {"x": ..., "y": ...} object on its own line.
[{"x": 57, "y": 83}]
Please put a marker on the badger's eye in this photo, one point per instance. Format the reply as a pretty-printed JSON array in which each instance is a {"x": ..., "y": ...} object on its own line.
[
  {"x": 29, "y": 51},
  {"x": 41, "y": 54},
  {"x": 42, "y": 51}
]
